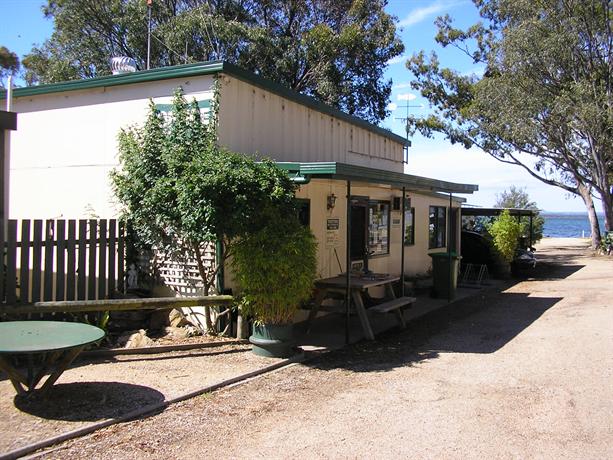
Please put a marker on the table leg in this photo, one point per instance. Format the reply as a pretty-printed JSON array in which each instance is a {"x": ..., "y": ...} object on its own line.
[
  {"x": 361, "y": 310},
  {"x": 389, "y": 291},
  {"x": 319, "y": 298},
  {"x": 61, "y": 367},
  {"x": 16, "y": 377}
]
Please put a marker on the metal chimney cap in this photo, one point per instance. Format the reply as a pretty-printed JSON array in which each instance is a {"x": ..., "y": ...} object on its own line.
[{"x": 122, "y": 64}]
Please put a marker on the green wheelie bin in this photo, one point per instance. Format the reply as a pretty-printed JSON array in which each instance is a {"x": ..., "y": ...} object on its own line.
[{"x": 444, "y": 285}]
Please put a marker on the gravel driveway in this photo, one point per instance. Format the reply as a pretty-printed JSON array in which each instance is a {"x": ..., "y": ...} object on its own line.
[{"x": 526, "y": 373}]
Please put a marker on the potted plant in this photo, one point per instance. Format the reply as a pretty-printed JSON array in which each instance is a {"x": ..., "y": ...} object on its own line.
[
  {"x": 275, "y": 268},
  {"x": 505, "y": 233}
]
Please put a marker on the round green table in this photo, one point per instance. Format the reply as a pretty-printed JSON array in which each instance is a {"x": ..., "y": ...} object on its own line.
[{"x": 42, "y": 347}]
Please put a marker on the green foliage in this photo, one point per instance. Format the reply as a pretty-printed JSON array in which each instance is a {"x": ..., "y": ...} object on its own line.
[
  {"x": 544, "y": 101},
  {"x": 276, "y": 268},
  {"x": 179, "y": 190},
  {"x": 517, "y": 198},
  {"x": 9, "y": 64},
  {"x": 335, "y": 51},
  {"x": 505, "y": 231}
]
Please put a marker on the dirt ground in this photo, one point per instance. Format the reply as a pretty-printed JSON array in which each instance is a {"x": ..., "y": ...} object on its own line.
[{"x": 523, "y": 373}]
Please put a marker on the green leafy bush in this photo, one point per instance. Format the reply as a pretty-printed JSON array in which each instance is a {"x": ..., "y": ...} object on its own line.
[
  {"x": 505, "y": 231},
  {"x": 275, "y": 268}
]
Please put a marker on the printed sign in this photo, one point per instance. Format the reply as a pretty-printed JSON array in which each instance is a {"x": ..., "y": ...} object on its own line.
[{"x": 332, "y": 233}]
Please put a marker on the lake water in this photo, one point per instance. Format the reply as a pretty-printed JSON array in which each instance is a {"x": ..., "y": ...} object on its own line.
[{"x": 568, "y": 224}]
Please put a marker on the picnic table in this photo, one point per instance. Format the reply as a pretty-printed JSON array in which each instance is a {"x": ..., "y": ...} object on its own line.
[
  {"x": 42, "y": 347},
  {"x": 359, "y": 284}
]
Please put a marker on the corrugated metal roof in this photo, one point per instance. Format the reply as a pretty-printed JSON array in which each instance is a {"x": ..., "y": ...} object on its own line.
[{"x": 198, "y": 69}]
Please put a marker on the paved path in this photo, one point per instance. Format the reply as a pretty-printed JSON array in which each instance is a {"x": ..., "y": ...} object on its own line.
[{"x": 527, "y": 373}]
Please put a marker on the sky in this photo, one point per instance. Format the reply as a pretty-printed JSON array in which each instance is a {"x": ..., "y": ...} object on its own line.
[{"x": 24, "y": 25}]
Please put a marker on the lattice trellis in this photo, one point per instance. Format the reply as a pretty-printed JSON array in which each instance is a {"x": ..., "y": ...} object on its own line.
[{"x": 183, "y": 276}]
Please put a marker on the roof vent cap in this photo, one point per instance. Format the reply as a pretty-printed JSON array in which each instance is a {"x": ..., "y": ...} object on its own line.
[{"x": 122, "y": 64}]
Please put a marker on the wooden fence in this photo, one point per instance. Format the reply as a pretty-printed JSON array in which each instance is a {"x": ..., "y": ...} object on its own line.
[{"x": 56, "y": 260}]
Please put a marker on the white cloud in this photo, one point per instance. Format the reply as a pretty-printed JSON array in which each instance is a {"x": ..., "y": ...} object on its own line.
[
  {"x": 419, "y": 14},
  {"x": 406, "y": 97},
  {"x": 397, "y": 60},
  {"x": 392, "y": 106}
]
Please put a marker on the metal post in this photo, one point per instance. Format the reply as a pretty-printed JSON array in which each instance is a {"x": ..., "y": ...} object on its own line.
[
  {"x": 149, "y": 2},
  {"x": 530, "y": 237},
  {"x": 348, "y": 264},
  {"x": 449, "y": 249},
  {"x": 402, "y": 237}
]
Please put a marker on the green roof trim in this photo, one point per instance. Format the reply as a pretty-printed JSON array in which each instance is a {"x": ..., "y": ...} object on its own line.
[
  {"x": 203, "y": 104},
  {"x": 198, "y": 69},
  {"x": 343, "y": 171}
]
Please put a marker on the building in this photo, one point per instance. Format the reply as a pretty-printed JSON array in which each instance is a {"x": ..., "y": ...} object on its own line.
[{"x": 66, "y": 146}]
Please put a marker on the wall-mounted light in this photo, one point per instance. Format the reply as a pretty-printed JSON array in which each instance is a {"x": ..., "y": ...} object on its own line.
[{"x": 331, "y": 202}]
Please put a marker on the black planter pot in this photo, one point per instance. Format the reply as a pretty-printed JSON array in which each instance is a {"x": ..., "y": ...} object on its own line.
[{"x": 273, "y": 340}]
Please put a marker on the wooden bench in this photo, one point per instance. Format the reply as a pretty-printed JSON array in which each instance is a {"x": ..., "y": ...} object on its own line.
[{"x": 396, "y": 306}]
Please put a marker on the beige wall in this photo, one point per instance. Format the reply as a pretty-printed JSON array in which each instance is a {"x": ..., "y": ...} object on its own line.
[
  {"x": 256, "y": 121},
  {"x": 66, "y": 145},
  {"x": 416, "y": 256}
]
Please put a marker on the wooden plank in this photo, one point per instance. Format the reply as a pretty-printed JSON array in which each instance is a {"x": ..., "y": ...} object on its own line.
[
  {"x": 37, "y": 257},
  {"x": 71, "y": 255},
  {"x": 60, "y": 267},
  {"x": 91, "y": 256},
  {"x": 82, "y": 256},
  {"x": 112, "y": 255},
  {"x": 102, "y": 271},
  {"x": 48, "y": 274},
  {"x": 119, "y": 304},
  {"x": 11, "y": 262},
  {"x": 393, "y": 304},
  {"x": 121, "y": 257},
  {"x": 24, "y": 276}
]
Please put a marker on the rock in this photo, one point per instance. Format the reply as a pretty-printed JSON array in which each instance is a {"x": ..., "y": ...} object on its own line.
[
  {"x": 136, "y": 339},
  {"x": 177, "y": 319}
]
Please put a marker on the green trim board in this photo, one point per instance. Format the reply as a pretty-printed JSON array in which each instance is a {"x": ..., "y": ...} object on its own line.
[
  {"x": 199, "y": 69},
  {"x": 204, "y": 104},
  {"x": 343, "y": 171}
]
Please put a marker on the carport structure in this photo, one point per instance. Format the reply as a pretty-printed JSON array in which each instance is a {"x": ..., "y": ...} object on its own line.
[{"x": 494, "y": 212}]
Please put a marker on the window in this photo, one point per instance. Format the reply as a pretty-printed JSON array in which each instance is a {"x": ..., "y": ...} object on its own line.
[
  {"x": 378, "y": 227},
  {"x": 409, "y": 227},
  {"x": 437, "y": 226},
  {"x": 304, "y": 211}
]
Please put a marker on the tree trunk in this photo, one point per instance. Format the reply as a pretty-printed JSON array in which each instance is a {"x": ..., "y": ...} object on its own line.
[
  {"x": 607, "y": 208},
  {"x": 586, "y": 194}
]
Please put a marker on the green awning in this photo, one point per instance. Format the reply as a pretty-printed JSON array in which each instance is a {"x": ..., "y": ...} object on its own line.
[{"x": 343, "y": 171}]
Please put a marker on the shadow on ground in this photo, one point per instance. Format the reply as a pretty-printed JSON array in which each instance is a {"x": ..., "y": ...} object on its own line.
[
  {"x": 88, "y": 401},
  {"x": 480, "y": 324}
]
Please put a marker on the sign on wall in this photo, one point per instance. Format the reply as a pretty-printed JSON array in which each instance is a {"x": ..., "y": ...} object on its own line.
[{"x": 332, "y": 233}]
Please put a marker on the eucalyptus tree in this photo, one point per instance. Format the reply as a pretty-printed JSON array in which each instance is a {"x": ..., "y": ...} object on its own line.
[
  {"x": 9, "y": 64},
  {"x": 333, "y": 50},
  {"x": 545, "y": 99}
]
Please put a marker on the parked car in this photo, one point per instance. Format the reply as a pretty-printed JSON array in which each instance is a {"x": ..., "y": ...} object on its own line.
[{"x": 524, "y": 260}]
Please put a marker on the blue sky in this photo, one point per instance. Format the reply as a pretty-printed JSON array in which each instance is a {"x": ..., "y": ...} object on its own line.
[{"x": 24, "y": 25}]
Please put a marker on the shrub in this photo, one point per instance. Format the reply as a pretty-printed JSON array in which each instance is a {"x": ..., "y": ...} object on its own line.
[
  {"x": 505, "y": 231},
  {"x": 275, "y": 268}
]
